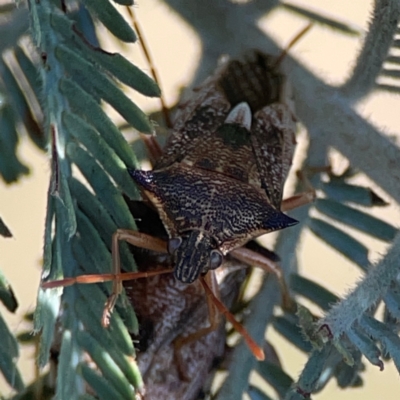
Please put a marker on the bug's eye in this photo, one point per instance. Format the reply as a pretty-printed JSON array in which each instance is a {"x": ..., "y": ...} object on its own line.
[
  {"x": 173, "y": 244},
  {"x": 216, "y": 259}
]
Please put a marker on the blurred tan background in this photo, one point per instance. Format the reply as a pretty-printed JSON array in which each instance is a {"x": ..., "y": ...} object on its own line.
[{"x": 329, "y": 55}]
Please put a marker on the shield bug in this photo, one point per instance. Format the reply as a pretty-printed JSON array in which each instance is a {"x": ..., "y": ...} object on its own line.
[{"x": 219, "y": 182}]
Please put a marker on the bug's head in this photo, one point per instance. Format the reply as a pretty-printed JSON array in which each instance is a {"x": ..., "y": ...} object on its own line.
[{"x": 194, "y": 254}]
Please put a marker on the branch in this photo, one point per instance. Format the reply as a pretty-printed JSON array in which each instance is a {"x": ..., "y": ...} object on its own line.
[
  {"x": 367, "y": 293},
  {"x": 381, "y": 30}
]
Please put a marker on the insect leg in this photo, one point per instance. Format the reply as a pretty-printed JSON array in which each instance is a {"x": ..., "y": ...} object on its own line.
[
  {"x": 216, "y": 307},
  {"x": 253, "y": 346},
  {"x": 309, "y": 195},
  {"x": 213, "y": 314},
  {"x": 133, "y": 237},
  {"x": 298, "y": 200},
  {"x": 255, "y": 259},
  {"x": 136, "y": 239}
]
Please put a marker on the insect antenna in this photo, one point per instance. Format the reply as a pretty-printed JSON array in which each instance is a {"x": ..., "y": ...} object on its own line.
[
  {"x": 154, "y": 74},
  {"x": 150, "y": 142},
  {"x": 294, "y": 40}
]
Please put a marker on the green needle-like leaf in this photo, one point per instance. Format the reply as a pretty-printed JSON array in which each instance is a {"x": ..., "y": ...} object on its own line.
[
  {"x": 86, "y": 106},
  {"x": 4, "y": 230},
  {"x": 7, "y": 296},
  {"x": 107, "y": 366},
  {"x": 312, "y": 291},
  {"x": 104, "y": 87},
  {"x": 357, "y": 219},
  {"x": 275, "y": 376},
  {"x": 111, "y": 18},
  {"x": 344, "y": 192},
  {"x": 341, "y": 241},
  {"x": 105, "y": 155}
]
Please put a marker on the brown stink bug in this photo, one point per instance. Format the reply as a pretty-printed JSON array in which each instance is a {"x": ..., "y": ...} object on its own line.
[{"x": 219, "y": 182}]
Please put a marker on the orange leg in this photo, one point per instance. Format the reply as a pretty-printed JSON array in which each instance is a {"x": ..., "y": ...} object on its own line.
[
  {"x": 253, "y": 346},
  {"x": 136, "y": 239},
  {"x": 216, "y": 307},
  {"x": 255, "y": 259},
  {"x": 306, "y": 197},
  {"x": 152, "y": 243},
  {"x": 133, "y": 237},
  {"x": 213, "y": 314},
  {"x": 298, "y": 200}
]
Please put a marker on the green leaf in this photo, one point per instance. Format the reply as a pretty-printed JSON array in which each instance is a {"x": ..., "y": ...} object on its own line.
[
  {"x": 47, "y": 249},
  {"x": 106, "y": 364},
  {"x": 17, "y": 100},
  {"x": 111, "y": 19},
  {"x": 106, "y": 156},
  {"x": 102, "y": 221},
  {"x": 96, "y": 298},
  {"x": 100, "y": 385},
  {"x": 124, "y": 2},
  {"x": 312, "y": 291},
  {"x": 389, "y": 339},
  {"x": 8, "y": 357},
  {"x": 30, "y": 71},
  {"x": 341, "y": 241},
  {"x": 48, "y": 306},
  {"x": 366, "y": 345},
  {"x": 109, "y": 196},
  {"x": 256, "y": 394},
  {"x": 275, "y": 376},
  {"x": 348, "y": 376},
  {"x": 289, "y": 329},
  {"x": 106, "y": 339},
  {"x": 13, "y": 27},
  {"x": 114, "y": 63},
  {"x": 98, "y": 261},
  {"x": 67, "y": 206},
  {"x": 322, "y": 19},
  {"x": 4, "y": 231},
  {"x": 357, "y": 219},
  {"x": 86, "y": 106},
  {"x": 95, "y": 248},
  {"x": 104, "y": 87},
  {"x": 309, "y": 380},
  {"x": 8, "y": 343},
  {"x": 7, "y": 296},
  {"x": 69, "y": 383},
  {"x": 126, "y": 72},
  {"x": 343, "y": 192},
  {"x": 26, "y": 337},
  {"x": 392, "y": 300},
  {"x": 10, "y": 167}
]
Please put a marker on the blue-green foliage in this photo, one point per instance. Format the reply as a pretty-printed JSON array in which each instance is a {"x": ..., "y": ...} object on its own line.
[{"x": 58, "y": 105}]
